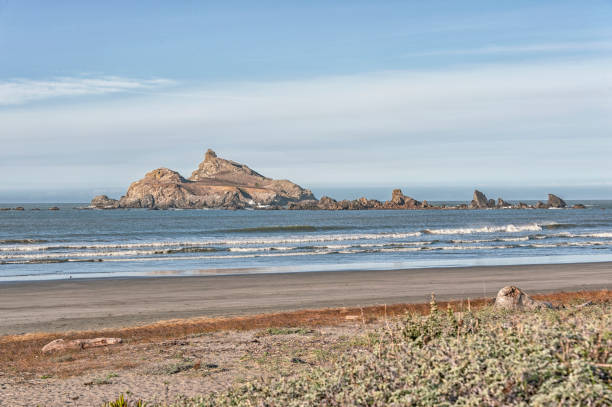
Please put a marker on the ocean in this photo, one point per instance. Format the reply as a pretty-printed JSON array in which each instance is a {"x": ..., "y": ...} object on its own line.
[{"x": 73, "y": 243}]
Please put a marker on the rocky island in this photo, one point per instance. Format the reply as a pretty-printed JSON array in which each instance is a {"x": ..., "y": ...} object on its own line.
[{"x": 226, "y": 184}]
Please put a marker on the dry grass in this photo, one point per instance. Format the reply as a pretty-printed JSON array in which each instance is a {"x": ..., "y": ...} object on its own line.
[{"x": 21, "y": 355}]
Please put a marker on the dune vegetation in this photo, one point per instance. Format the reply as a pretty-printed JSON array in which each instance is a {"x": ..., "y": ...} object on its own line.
[{"x": 473, "y": 358}]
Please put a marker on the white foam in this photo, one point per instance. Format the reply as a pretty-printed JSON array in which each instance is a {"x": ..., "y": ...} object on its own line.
[
  {"x": 486, "y": 229},
  {"x": 602, "y": 234},
  {"x": 254, "y": 241}
]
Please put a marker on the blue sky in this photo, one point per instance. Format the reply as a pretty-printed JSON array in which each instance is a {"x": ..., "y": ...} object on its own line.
[{"x": 503, "y": 95}]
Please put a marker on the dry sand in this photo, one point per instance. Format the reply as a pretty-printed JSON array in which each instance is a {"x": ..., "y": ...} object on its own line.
[{"x": 55, "y": 306}]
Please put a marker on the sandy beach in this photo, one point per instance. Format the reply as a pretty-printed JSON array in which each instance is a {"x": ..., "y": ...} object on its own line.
[{"x": 59, "y": 306}]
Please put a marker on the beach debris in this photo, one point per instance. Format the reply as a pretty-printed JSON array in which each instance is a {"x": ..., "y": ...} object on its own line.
[
  {"x": 513, "y": 298},
  {"x": 61, "y": 344},
  {"x": 584, "y": 304}
]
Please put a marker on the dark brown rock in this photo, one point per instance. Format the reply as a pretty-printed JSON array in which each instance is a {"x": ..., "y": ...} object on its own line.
[
  {"x": 555, "y": 202},
  {"x": 579, "y": 206},
  {"x": 502, "y": 204},
  {"x": 541, "y": 205}
]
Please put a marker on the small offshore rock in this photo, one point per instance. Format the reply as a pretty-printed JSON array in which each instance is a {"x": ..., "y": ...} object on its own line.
[
  {"x": 502, "y": 204},
  {"x": 555, "y": 202},
  {"x": 104, "y": 202},
  {"x": 54, "y": 208}
]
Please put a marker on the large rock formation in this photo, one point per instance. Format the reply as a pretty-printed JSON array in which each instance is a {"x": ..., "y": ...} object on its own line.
[
  {"x": 217, "y": 183},
  {"x": 220, "y": 183}
]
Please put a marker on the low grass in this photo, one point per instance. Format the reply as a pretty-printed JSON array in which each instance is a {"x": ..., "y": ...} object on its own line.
[{"x": 475, "y": 358}]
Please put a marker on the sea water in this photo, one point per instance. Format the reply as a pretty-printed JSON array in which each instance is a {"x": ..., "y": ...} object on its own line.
[{"x": 73, "y": 243}]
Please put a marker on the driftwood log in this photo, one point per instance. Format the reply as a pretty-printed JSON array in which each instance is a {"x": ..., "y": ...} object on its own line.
[{"x": 61, "y": 344}]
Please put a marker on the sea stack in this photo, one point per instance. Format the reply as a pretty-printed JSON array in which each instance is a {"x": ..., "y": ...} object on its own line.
[{"x": 216, "y": 183}]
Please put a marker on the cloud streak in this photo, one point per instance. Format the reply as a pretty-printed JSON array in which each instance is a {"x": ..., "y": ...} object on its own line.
[{"x": 22, "y": 91}]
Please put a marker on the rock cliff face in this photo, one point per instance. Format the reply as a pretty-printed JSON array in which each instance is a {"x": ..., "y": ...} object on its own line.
[{"x": 217, "y": 183}]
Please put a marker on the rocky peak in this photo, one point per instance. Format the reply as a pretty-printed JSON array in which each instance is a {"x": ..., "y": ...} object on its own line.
[
  {"x": 220, "y": 169},
  {"x": 210, "y": 155},
  {"x": 164, "y": 175}
]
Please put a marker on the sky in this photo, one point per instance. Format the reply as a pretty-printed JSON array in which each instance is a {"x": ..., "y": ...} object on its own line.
[{"x": 434, "y": 97}]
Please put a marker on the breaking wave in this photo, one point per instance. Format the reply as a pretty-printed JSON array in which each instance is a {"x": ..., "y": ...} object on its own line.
[
  {"x": 289, "y": 228},
  {"x": 533, "y": 227}
]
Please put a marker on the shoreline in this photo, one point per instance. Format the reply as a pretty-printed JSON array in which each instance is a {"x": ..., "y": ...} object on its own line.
[{"x": 84, "y": 304}]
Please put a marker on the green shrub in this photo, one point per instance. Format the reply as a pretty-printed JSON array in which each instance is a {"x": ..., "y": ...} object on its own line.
[
  {"x": 486, "y": 358},
  {"x": 123, "y": 402}
]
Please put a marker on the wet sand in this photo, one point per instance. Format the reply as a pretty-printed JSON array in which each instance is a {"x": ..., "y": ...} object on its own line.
[{"x": 49, "y": 306}]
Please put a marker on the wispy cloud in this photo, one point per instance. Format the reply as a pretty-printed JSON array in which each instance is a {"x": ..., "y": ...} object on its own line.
[
  {"x": 555, "y": 47},
  {"x": 21, "y": 91},
  {"x": 398, "y": 126}
]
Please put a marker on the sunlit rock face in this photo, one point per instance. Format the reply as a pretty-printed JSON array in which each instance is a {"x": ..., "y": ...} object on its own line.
[{"x": 217, "y": 183}]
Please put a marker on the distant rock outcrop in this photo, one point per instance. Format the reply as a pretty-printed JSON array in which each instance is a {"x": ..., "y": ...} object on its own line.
[
  {"x": 502, "y": 204},
  {"x": 480, "y": 200},
  {"x": 104, "y": 202},
  {"x": 555, "y": 202},
  {"x": 221, "y": 183},
  {"x": 217, "y": 183}
]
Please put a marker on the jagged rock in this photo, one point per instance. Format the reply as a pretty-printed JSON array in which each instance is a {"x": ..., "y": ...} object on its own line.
[
  {"x": 502, "y": 204},
  {"x": 327, "y": 203},
  {"x": 541, "y": 205},
  {"x": 104, "y": 202},
  {"x": 523, "y": 205},
  {"x": 579, "y": 206},
  {"x": 61, "y": 344},
  {"x": 491, "y": 203},
  {"x": 480, "y": 200},
  {"x": 397, "y": 197},
  {"x": 513, "y": 298},
  {"x": 555, "y": 202},
  {"x": 401, "y": 201},
  {"x": 217, "y": 183}
]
